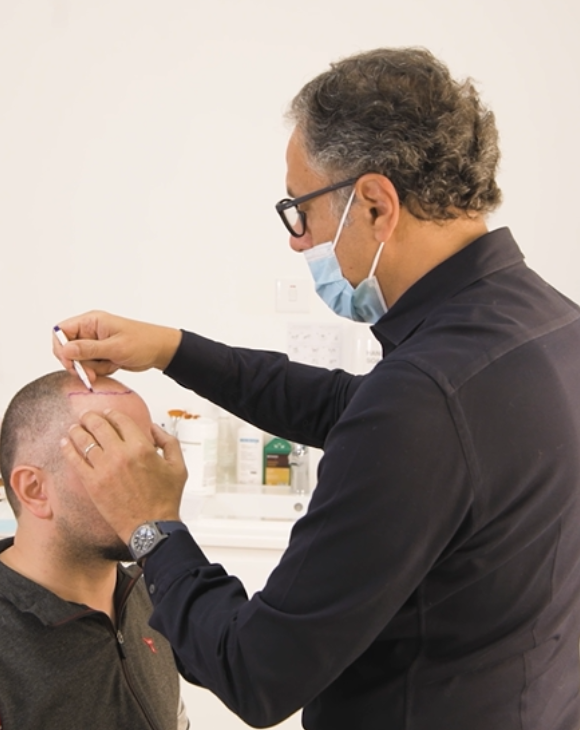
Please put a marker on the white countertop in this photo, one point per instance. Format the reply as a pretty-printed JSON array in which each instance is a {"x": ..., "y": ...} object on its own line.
[{"x": 239, "y": 533}]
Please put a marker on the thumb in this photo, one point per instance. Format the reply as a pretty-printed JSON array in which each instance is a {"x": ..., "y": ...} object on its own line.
[
  {"x": 102, "y": 355},
  {"x": 86, "y": 350},
  {"x": 169, "y": 445}
]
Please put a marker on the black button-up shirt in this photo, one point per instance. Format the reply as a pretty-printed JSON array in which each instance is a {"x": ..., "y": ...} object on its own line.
[{"x": 434, "y": 582}]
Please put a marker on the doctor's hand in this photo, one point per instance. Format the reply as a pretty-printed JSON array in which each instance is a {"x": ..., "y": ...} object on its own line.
[
  {"x": 105, "y": 343},
  {"x": 132, "y": 477}
]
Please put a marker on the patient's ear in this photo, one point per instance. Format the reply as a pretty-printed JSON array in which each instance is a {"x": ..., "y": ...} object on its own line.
[{"x": 30, "y": 486}]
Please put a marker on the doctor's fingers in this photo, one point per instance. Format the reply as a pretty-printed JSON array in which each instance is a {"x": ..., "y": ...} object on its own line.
[{"x": 110, "y": 342}]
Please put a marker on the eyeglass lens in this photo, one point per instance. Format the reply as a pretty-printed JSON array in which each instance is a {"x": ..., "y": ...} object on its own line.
[{"x": 294, "y": 220}]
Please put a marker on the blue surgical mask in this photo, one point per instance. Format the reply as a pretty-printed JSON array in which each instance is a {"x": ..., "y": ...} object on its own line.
[{"x": 363, "y": 303}]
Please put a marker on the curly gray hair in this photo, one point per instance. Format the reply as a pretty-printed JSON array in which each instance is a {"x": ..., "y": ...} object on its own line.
[{"x": 398, "y": 112}]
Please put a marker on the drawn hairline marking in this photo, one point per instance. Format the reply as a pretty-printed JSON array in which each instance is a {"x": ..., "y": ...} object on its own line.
[{"x": 100, "y": 392}]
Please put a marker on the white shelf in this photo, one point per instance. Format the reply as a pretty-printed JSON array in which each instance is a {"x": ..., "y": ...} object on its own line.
[
  {"x": 254, "y": 506},
  {"x": 241, "y": 529}
]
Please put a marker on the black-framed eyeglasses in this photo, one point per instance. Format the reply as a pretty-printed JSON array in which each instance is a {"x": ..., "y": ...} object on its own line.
[{"x": 295, "y": 219}]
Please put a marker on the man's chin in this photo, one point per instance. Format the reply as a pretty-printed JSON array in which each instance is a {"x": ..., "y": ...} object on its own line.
[{"x": 118, "y": 553}]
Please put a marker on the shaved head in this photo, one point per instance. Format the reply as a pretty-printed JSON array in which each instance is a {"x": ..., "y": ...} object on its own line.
[{"x": 40, "y": 414}]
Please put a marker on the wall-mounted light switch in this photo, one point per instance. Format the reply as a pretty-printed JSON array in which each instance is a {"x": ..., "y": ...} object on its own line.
[{"x": 292, "y": 295}]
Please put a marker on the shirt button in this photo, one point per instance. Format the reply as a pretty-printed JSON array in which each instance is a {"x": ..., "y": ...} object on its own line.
[{"x": 152, "y": 588}]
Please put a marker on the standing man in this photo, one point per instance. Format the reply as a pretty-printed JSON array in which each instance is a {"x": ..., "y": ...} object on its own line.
[
  {"x": 76, "y": 647},
  {"x": 434, "y": 583}
]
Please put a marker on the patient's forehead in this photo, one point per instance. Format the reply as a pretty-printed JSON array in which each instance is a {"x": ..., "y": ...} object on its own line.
[{"x": 108, "y": 393}]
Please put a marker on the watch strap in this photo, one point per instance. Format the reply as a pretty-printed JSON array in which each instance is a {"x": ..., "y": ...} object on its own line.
[{"x": 168, "y": 526}]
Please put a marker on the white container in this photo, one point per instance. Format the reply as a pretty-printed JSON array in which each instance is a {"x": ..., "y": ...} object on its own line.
[
  {"x": 198, "y": 438},
  {"x": 227, "y": 440},
  {"x": 249, "y": 458}
]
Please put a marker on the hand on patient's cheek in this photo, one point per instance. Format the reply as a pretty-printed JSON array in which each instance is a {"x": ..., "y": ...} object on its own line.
[{"x": 130, "y": 479}]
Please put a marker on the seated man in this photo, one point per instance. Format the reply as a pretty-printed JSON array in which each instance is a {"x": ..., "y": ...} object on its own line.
[{"x": 76, "y": 647}]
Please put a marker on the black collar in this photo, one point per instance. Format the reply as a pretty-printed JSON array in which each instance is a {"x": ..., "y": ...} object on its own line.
[{"x": 489, "y": 253}]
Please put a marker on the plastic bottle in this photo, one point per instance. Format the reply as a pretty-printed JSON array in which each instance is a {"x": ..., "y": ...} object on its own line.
[
  {"x": 226, "y": 466},
  {"x": 198, "y": 438},
  {"x": 276, "y": 466},
  {"x": 299, "y": 473},
  {"x": 249, "y": 458}
]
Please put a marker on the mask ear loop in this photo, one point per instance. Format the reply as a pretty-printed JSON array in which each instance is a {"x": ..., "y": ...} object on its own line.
[
  {"x": 376, "y": 261},
  {"x": 343, "y": 219},
  {"x": 377, "y": 286}
]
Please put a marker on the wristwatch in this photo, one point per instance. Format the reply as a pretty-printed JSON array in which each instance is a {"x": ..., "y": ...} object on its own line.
[{"x": 149, "y": 535}]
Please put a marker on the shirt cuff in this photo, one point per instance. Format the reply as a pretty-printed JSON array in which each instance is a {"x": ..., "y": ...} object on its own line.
[{"x": 177, "y": 555}]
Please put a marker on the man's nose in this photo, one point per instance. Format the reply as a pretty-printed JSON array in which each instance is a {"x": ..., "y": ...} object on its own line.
[{"x": 302, "y": 243}]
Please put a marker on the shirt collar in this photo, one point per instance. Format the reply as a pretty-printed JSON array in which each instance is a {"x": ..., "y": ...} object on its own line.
[
  {"x": 489, "y": 253},
  {"x": 30, "y": 597}
]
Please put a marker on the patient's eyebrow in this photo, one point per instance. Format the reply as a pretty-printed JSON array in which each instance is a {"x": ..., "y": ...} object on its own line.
[{"x": 100, "y": 392}]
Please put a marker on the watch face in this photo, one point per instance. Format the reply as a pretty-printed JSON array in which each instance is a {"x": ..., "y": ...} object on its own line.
[{"x": 143, "y": 539}]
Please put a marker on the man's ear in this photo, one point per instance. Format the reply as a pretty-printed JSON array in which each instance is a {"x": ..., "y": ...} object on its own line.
[
  {"x": 29, "y": 485},
  {"x": 380, "y": 198}
]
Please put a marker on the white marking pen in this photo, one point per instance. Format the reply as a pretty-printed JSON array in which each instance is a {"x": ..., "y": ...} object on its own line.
[{"x": 63, "y": 339}]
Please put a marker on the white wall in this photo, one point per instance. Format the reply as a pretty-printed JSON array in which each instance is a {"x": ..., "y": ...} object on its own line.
[{"x": 142, "y": 149}]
